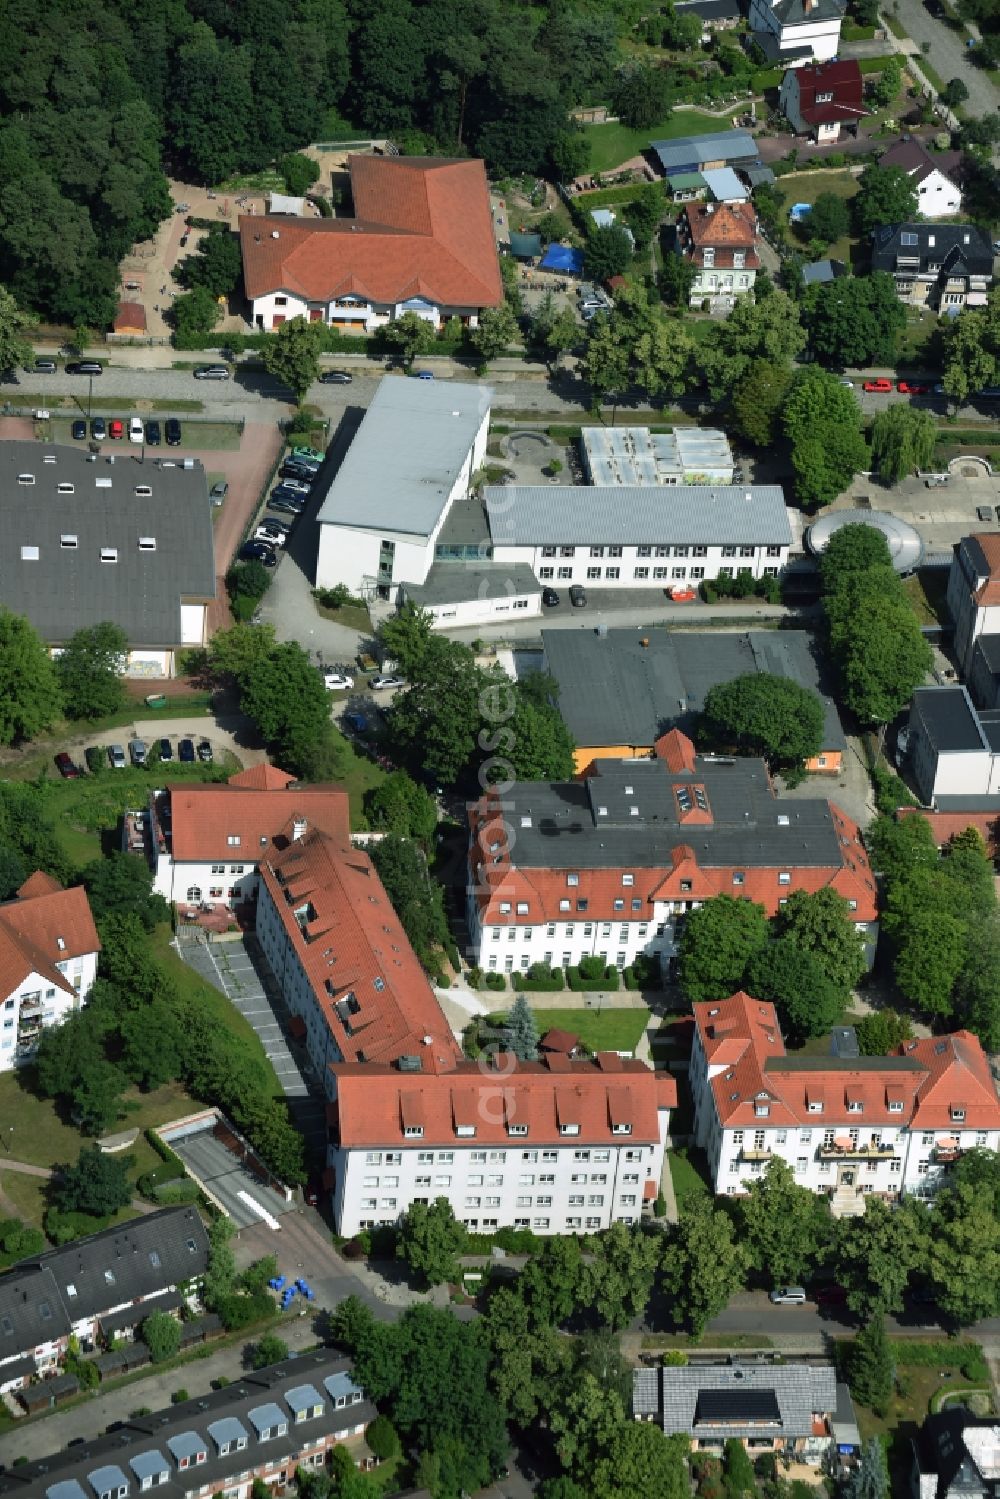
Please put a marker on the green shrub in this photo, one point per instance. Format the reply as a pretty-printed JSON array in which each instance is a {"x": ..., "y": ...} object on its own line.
[
  {"x": 644, "y": 973},
  {"x": 675, "y": 1358},
  {"x": 539, "y": 979},
  {"x": 495, "y": 981},
  {"x": 63, "y": 1228},
  {"x": 518, "y": 1241},
  {"x": 173, "y": 1194},
  {"x": 581, "y": 984},
  {"x": 238, "y": 1312},
  {"x": 443, "y": 981},
  {"x": 179, "y": 1397},
  {"x": 890, "y": 791},
  {"x": 168, "y": 1171},
  {"x": 660, "y": 1206},
  {"x": 474, "y": 978}
]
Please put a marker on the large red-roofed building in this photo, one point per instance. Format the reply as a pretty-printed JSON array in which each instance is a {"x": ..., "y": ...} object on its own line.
[
  {"x": 720, "y": 241},
  {"x": 848, "y": 1126},
  {"x": 48, "y": 963},
  {"x": 421, "y": 241}
]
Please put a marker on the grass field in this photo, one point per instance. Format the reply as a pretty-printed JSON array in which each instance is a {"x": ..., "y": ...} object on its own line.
[
  {"x": 687, "y": 1179},
  {"x": 926, "y": 592},
  {"x": 805, "y": 187},
  {"x": 600, "y": 1030},
  {"x": 613, "y": 144}
]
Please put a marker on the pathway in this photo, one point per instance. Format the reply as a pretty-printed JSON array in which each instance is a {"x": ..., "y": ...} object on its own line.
[
  {"x": 24, "y": 1168},
  {"x": 948, "y": 53}
]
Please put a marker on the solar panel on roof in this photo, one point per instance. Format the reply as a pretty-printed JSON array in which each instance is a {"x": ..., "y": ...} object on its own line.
[
  {"x": 409, "y": 1064},
  {"x": 737, "y": 1406}
]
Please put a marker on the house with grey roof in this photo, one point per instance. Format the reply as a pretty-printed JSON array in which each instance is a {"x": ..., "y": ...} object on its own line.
[
  {"x": 941, "y": 266},
  {"x": 698, "y": 153},
  {"x": 262, "y": 1426},
  {"x": 98, "y": 1287},
  {"x": 769, "y": 1407},
  {"x": 953, "y": 750},
  {"x": 795, "y": 32},
  {"x": 108, "y": 536},
  {"x": 621, "y": 690},
  {"x": 956, "y": 1455}
]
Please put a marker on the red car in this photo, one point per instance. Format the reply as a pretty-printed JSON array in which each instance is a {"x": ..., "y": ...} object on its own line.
[
  {"x": 66, "y": 767},
  {"x": 882, "y": 386},
  {"x": 116, "y": 428},
  {"x": 908, "y": 388}
]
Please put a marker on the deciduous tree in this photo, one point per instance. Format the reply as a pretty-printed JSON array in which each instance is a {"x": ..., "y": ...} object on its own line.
[
  {"x": 903, "y": 440},
  {"x": 90, "y": 671},
  {"x": 820, "y": 921},
  {"x": 607, "y": 253},
  {"x": 855, "y": 321},
  {"x": 429, "y": 1240},
  {"x": 886, "y": 195},
  {"x": 407, "y": 336},
  {"x": 16, "y": 329},
  {"x": 292, "y": 355},
  {"x": 874, "y": 1255},
  {"x": 703, "y": 1263},
  {"x": 270, "y": 1349},
  {"x": 964, "y": 1254},
  {"x": 763, "y": 714},
  {"x": 784, "y": 1227},
  {"x": 770, "y": 329},
  {"x": 496, "y": 332},
  {"x": 416, "y": 898},
  {"x": 794, "y": 980},
  {"x": 287, "y": 700},
  {"x": 30, "y": 698},
  {"x": 757, "y": 400},
  {"x": 618, "y": 1278},
  {"x": 830, "y": 218},
  {"x": 718, "y": 941},
  {"x": 822, "y": 420},
  {"x": 96, "y": 1184},
  {"x": 399, "y": 804},
  {"x": 161, "y": 1334}
]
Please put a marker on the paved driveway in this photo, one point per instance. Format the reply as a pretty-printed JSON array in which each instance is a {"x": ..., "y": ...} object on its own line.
[
  {"x": 949, "y": 55},
  {"x": 226, "y": 1177}
]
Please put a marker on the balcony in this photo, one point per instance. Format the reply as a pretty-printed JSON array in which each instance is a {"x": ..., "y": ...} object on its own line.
[
  {"x": 947, "y": 1150},
  {"x": 755, "y": 1153},
  {"x": 844, "y": 1148}
]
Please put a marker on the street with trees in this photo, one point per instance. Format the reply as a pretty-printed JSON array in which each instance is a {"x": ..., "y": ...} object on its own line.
[
  {"x": 407, "y": 337},
  {"x": 292, "y": 355},
  {"x": 704, "y": 1263},
  {"x": 875, "y": 1254},
  {"x": 767, "y": 329},
  {"x": 495, "y": 332},
  {"x": 638, "y": 344},
  {"x": 757, "y": 401},
  {"x": 786, "y": 1229}
]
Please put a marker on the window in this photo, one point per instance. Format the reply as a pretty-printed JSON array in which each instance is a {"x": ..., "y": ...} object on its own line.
[
  {"x": 784, "y": 877},
  {"x": 640, "y": 572},
  {"x": 678, "y": 572},
  {"x": 69, "y": 542},
  {"x": 548, "y": 551},
  {"x": 29, "y": 554},
  {"x": 612, "y": 573},
  {"x": 567, "y": 551},
  {"x": 597, "y": 551},
  {"x": 233, "y": 840},
  {"x": 746, "y": 551},
  {"x": 147, "y": 543},
  {"x": 593, "y": 573},
  {"x": 614, "y": 551},
  {"x": 109, "y": 554},
  {"x": 774, "y": 551},
  {"x": 660, "y": 572},
  {"x": 564, "y": 572},
  {"x": 546, "y": 572}
]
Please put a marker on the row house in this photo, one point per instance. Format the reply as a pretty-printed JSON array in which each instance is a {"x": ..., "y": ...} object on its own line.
[
  {"x": 261, "y": 1428},
  {"x": 560, "y": 1145},
  {"x": 848, "y": 1126},
  {"x": 612, "y": 863},
  {"x": 48, "y": 951},
  {"x": 421, "y": 242},
  {"x": 946, "y": 267},
  {"x": 207, "y": 841},
  {"x": 720, "y": 241},
  {"x": 96, "y": 1288}
]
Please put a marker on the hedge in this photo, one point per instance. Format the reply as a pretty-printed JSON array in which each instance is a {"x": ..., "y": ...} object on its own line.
[
  {"x": 587, "y": 986},
  {"x": 951, "y": 1354},
  {"x": 238, "y": 1312},
  {"x": 544, "y": 981},
  {"x": 167, "y": 1171},
  {"x": 162, "y": 1149}
]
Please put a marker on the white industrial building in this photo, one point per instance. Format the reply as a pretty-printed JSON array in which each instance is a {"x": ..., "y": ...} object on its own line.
[
  {"x": 413, "y": 456},
  {"x": 637, "y": 456},
  {"x": 848, "y": 1126}
]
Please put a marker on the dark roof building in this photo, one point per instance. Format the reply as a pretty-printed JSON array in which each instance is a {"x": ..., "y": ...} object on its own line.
[
  {"x": 787, "y": 1406},
  {"x": 957, "y": 1456},
  {"x": 944, "y": 266},
  {"x": 257, "y": 1427},
  {"x": 106, "y": 537}
]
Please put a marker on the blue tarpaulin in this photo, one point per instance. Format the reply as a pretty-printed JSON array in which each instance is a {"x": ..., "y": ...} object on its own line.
[{"x": 562, "y": 258}]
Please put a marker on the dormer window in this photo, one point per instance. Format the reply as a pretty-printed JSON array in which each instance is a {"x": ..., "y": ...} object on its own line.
[
  {"x": 233, "y": 840},
  {"x": 517, "y": 1129},
  {"x": 621, "y": 1129},
  {"x": 895, "y": 1106},
  {"x": 957, "y": 1112},
  {"x": 826, "y": 98},
  {"x": 854, "y": 1106},
  {"x": 815, "y": 1106},
  {"x": 109, "y": 554}
]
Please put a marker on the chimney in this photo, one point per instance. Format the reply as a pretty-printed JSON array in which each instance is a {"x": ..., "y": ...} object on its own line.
[{"x": 299, "y": 826}]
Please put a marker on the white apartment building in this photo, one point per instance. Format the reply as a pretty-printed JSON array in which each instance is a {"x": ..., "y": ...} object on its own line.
[
  {"x": 973, "y": 596},
  {"x": 848, "y": 1126},
  {"x": 953, "y": 750},
  {"x": 606, "y": 865},
  {"x": 794, "y": 32},
  {"x": 49, "y": 947},
  {"x": 557, "y": 1146},
  {"x": 207, "y": 841},
  {"x": 628, "y": 536},
  {"x": 413, "y": 456}
]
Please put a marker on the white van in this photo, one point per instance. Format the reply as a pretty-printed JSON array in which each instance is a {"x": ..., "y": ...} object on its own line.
[{"x": 135, "y": 429}]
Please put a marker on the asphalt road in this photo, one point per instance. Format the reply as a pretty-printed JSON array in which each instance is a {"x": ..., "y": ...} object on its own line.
[
  {"x": 751, "y": 1312},
  {"x": 948, "y": 55}
]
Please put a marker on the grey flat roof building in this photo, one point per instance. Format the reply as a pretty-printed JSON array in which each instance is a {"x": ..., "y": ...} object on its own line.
[
  {"x": 711, "y": 1402},
  {"x": 110, "y": 539},
  {"x": 635, "y": 456},
  {"x": 581, "y": 515},
  {"x": 690, "y": 153},
  {"x": 949, "y": 720},
  {"x": 401, "y": 467},
  {"x": 454, "y": 583},
  {"x": 153, "y": 1447},
  {"x": 631, "y": 686}
]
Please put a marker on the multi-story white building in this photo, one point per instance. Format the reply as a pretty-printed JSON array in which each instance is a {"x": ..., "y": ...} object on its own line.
[
  {"x": 973, "y": 595},
  {"x": 557, "y": 1146},
  {"x": 953, "y": 751},
  {"x": 207, "y": 841},
  {"x": 638, "y": 536},
  {"x": 421, "y": 242},
  {"x": 609, "y": 864},
  {"x": 794, "y": 32},
  {"x": 720, "y": 241},
  {"x": 847, "y": 1126},
  {"x": 48, "y": 949}
]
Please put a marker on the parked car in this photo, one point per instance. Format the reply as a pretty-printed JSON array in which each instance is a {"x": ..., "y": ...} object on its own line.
[
  {"x": 172, "y": 431},
  {"x": 66, "y": 766},
  {"x": 136, "y": 430},
  {"x": 846, "y": 380},
  {"x": 787, "y": 1296},
  {"x": 284, "y": 526},
  {"x": 153, "y": 434},
  {"x": 116, "y": 428},
  {"x": 185, "y": 752},
  {"x": 166, "y": 750},
  {"x": 337, "y": 681},
  {"x": 383, "y": 684},
  {"x": 79, "y": 430},
  {"x": 296, "y": 468},
  {"x": 211, "y": 372},
  {"x": 44, "y": 367},
  {"x": 258, "y": 551},
  {"x": 297, "y": 486},
  {"x": 422, "y": 374},
  {"x": 984, "y": 512},
  {"x": 910, "y": 388},
  {"x": 288, "y": 504},
  {"x": 356, "y": 721},
  {"x": 85, "y": 367},
  {"x": 137, "y": 749},
  {"x": 266, "y": 532},
  {"x": 205, "y": 752},
  {"x": 98, "y": 429},
  {"x": 285, "y": 492},
  {"x": 939, "y": 389},
  {"x": 881, "y": 386},
  {"x": 94, "y": 757},
  {"x": 116, "y": 756},
  {"x": 550, "y": 598},
  {"x": 308, "y": 455},
  {"x": 578, "y": 596},
  {"x": 335, "y": 377},
  {"x": 218, "y": 492}
]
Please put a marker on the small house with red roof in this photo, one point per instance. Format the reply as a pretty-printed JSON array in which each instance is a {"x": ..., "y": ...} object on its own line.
[
  {"x": 848, "y": 1127},
  {"x": 820, "y": 98},
  {"x": 720, "y": 241},
  {"x": 48, "y": 963},
  {"x": 208, "y": 839},
  {"x": 421, "y": 241}
]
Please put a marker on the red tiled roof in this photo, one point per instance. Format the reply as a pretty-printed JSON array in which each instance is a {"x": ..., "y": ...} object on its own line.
[
  {"x": 842, "y": 79},
  {"x": 959, "y": 1077},
  {"x": 257, "y": 807},
  {"x": 376, "y": 1101},
  {"x": 44, "y": 926},
  {"x": 676, "y": 751},
  {"x": 946, "y": 825},
  {"x": 130, "y": 315},
  {"x": 373, "y": 993},
  {"x": 561, "y": 1041},
  {"x": 423, "y": 229}
]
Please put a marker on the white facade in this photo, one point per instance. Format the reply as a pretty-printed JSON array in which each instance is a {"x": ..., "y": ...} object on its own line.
[
  {"x": 721, "y": 283},
  {"x": 194, "y": 882},
  {"x": 938, "y": 196},
  {"x": 514, "y": 948},
  {"x": 973, "y": 597},
  {"x": 352, "y": 314},
  {"x": 563, "y": 1189},
  {"x": 953, "y": 750},
  {"x": 632, "y": 566},
  {"x": 296, "y": 990},
  {"x": 460, "y": 614},
  {"x": 819, "y": 30},
  {"x": 38, "y": 1003}
]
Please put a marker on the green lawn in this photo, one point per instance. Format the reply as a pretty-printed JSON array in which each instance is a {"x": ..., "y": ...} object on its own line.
[
  {"x": 895, "y": 26},
  {"x": 612, "y": 144},
  {"x": 686, "y": 1177},
  {"x": 926, "y": 592},
  {"x": 805, "y": 187},
  {"x": 599, "y": 1030}
]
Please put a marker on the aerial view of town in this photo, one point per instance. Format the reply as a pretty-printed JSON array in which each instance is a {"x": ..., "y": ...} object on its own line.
[{"x": 500, "y": 749}]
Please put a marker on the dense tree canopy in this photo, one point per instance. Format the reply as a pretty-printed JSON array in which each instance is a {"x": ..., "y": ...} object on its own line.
[
  {"x": 90, "y": 669},
  {"x": 762, "y": 714},
  {"x": 822, "y": 420},
  {"x": 903, "y": 439},
  {"x": 719, "y": 939},
  {"x": 855, "y": 320}
]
